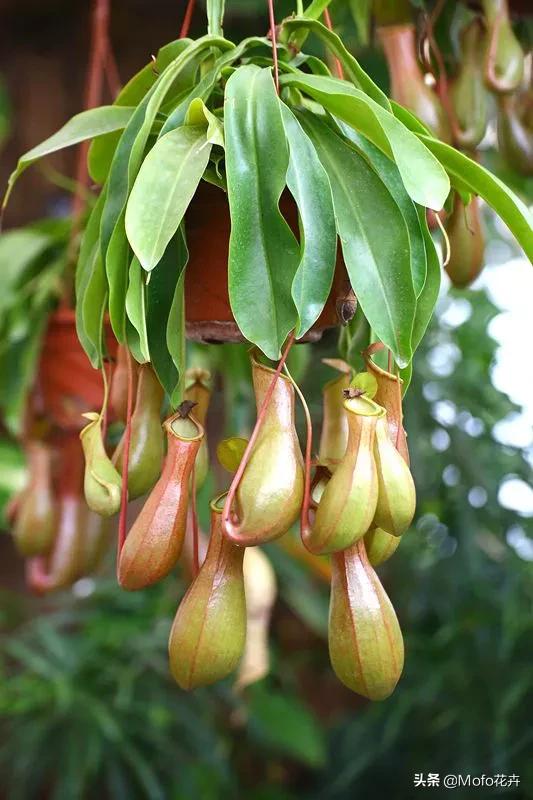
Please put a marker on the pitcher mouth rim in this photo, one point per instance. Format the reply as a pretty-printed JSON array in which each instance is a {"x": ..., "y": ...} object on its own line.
[
  {"x": 215, "y": 506},
  {"x": 168, "y": 425},
  {"x": 252, "y": 352}
]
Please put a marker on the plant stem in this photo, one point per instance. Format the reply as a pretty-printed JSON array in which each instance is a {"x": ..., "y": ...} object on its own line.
[
  {"x": 215, "y": 17},
  {"x": 274, "y": 43}
]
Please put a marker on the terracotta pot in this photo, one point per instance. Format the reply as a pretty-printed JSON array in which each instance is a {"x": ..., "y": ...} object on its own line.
[
  {"x": 67, "y": 384},
  {"x": 209, "y": 315}
]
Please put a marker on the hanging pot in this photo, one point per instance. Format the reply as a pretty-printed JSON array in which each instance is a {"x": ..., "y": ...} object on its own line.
[
  {"x": 208, "y": 310},
  {"x": 67, "y": 384}
]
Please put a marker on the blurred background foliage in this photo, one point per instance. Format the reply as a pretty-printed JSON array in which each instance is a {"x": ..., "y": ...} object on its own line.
[{"x": 87, "y": 707}]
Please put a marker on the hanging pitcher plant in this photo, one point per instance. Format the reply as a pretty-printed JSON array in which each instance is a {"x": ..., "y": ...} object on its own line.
[{"x": 254, "y": 192}]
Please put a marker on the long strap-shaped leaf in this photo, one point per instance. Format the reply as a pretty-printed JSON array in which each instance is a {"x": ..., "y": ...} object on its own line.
[
  {"x": 91, "y": 288},
  {"x": 87, "y": 125},
  {"x": 162, "y": 297},
  {"x": 130, "y": 151},
  {"x": 215, "y": 16},
  {"x": 204, "y": 87},
  {"x": 125, "y": 166},
  {"x": 102, "y": 150},
  {"x": 425, "y": 304},
  {"x": 390, "y": 175},
  {"x": 263, "y": 252},
  {"x": 165, "y": 185},
  {"x": 374, "y": 238},
  {"x": 353, "y": 71},
  {"x": 480, "y": 181},
  {"x": 136, "y": 309},
  {"x": 423, "y": 176},
  {"x": 308, "y": 183}
]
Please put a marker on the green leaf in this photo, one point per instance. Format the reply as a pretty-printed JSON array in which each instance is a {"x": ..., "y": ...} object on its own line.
[
  {"x": 263, "y": 252},
  {"x": 316, "y": 8},
  {"x": 362, "y": 17},
  {"x": 286, "y": 725},
  {"x": 118, "y": 258},
  {"x": 176, "y": 343},
  {"x": 390, "y": 175},
  {"x": 87, "y": 125},
  {"x": 130, "y": 151},
  {"x": 20, "y": 363},
  {"x": 19, "y": 249},
  {"x": 136, "y": 307},
  {"x": 309, "y": 185},
  {"x": 427, "y": 299},
  {"x": 93, "y": 304},
  {"x": 199, "y": 114},
  {"x": 215, "y": 16},
  {"x": 424, "y": 178},
  {"x": 124, "y": 168},
  {"x": 100, "y": 156},
  {"x": 102, "y": 150},
  {"x": 374, "y": 238},
  {"x": 163, "y": 190},
  {"x": 88, "y": 317},
  {"x": 353, "y": 71},
  {"x": 483, "y": 183},
  {"x": 160, "y": 293},
  {"x": 409, "y": 119},
  {"x": 88, "y": 241},
  {"x": 205, "y": 86}
]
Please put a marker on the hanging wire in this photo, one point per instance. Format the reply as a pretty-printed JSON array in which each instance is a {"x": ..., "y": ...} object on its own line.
[
  {"x": 304, "y": 514},
  {"x": 96, "y": 69},
  {"x": 93, "y": 91},
  {"x": 447, "y": 249},
  {"x": 187, "y": 19},
  {"x": 195, "y": 531},
  {"x": 274, "y": 42},
  {"x": 329, "y": 25},
  {"x": 125, "y": 461}
]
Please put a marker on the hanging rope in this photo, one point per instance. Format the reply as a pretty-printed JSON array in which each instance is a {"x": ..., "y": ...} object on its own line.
[
  {"x": 195, "y": 531},
  {"x": 186, "y": 24},
  {"x": 93, "y": 92},
  {"x": 274, "y": 42},
  {"x": 99, "y": 65},
  {"x": 329, "y": 26},
  {"x": 304, "y": 513},
  {"x": 125, "y": 461}
]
